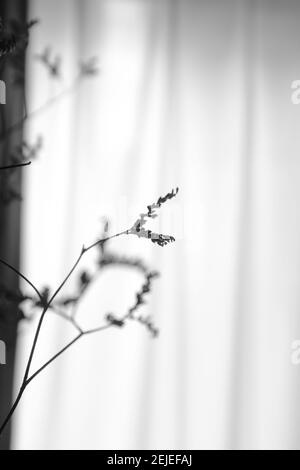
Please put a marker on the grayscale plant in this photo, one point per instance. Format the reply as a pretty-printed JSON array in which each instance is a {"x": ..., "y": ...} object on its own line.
[{"x": 13, "y": 41}]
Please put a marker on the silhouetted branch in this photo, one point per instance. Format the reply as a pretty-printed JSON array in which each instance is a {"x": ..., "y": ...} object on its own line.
[
  {"x": 13, "y": 42},
  {"x": 16, "y": 165},
  {"x": 46, "y": 301}
]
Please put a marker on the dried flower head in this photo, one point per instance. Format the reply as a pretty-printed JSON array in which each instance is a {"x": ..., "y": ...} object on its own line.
[
  {"x": 52, "y": 64},
  {"x": 138, "y": 228}
]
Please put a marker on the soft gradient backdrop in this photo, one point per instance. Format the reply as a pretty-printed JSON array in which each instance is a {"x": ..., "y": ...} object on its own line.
[{"x": 195, "y": 94}]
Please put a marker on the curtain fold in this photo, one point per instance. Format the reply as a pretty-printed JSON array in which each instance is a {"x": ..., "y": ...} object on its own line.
[{"x": 194, "y": 94}]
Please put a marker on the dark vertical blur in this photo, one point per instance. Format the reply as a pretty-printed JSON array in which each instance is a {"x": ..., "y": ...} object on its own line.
[{"x": 9, "y": 218}]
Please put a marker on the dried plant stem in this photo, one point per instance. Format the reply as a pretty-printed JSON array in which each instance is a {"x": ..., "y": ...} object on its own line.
[
  {"x": 67, "y": 318},
  {"x": 27, "y": 116},
  {"x": 139, "y": 230},
  {"x": 14, "y": 127},
  {"x": 13, "y": 409},
  {"x": 5, "y": 263},
  {"x": 68, "y": 345},
  {"x": 16, "y": 165},
  {"x": 27, "y": 378}
]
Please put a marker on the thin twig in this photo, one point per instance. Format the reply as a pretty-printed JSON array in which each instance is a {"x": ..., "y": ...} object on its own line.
[
  {"x": 111, "y": 321},
  {"x": 35, "y": 340},
  {"x": 13, "y": 409},
  {"x": 40, "y": 109},
  {"x": 53, "y": 358},
  {"x": 66, "y": 317},
  {"x": 81, "y": 334},
  {"x": 27, "y": 379},
  {"x": 16, "y": 165},
  {"x": 5, "y": 263}
]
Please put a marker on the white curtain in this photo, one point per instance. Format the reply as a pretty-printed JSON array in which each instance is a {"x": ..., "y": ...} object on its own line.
[{"x": 194, "y": 94}]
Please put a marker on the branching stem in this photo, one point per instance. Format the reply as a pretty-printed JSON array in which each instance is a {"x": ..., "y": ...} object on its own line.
[
  {"x": 27, "y": 377},
  {"x": 138, "y": 230}
]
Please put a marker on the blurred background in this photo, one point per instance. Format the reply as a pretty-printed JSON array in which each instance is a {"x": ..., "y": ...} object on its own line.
[{"x": 195, "y": 94}]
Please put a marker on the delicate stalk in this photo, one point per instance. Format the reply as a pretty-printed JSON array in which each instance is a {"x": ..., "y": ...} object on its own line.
[
  {"x": 16, "y": 165},
  {"x": 40, "y": 109},
  {"x": 138, "y": 230},
  {"x": 53, "y": 358},
  {"x": 5, "y": 263},
  {"x": 13, "y": 409},
  {"x": 27, "y": 379}
]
